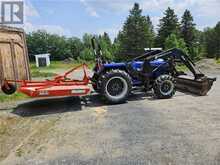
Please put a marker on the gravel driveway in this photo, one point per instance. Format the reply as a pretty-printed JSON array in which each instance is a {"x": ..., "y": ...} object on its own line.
[{"x": 179, "y": 131}]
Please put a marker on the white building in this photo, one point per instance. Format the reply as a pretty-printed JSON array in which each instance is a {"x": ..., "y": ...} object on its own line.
[
  {"x": 147, "y": 49},
  {"x": 42, "y": 60}
]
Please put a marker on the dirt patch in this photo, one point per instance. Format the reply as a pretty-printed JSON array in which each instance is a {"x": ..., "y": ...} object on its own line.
[
  {"x": 21, "y": 136},
  {"x": 208, "y": 65}
]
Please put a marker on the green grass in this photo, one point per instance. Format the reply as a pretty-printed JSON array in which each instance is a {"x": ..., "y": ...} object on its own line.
[
  {"x": 60, "y": 65},
  {"x": 218, "y": 61},
  {"x": 55, "y": 66},
  {"x": 37, "y": 73},
  {"x": 15, "y": 97}
]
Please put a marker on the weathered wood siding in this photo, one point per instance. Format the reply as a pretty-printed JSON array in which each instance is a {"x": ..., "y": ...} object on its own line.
[{"x": 14, "y": 62}]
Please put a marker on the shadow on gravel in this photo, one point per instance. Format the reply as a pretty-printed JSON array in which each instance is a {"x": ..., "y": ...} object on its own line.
[
  {"x": 67, "y": 104},
  {"x": 71, "y": 104},
  {"x": 48, "y": 106}
]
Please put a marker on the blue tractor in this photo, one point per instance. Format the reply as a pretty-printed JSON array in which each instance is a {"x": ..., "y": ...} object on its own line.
[
  {"x": 154, "y": 70},
  {"x": 115, "y": 81}
]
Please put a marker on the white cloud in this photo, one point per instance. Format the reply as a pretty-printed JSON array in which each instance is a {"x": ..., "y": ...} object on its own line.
[
  {"x": 90, "y": 9},
  {"x": 155, "y": 20},
  {"x": 53, "y": 29},
  {"x": 111, "y": 5},
  {"x": 207, "y": 9}
]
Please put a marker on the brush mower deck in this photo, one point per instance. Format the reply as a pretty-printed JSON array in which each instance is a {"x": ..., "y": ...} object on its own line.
[{"x": 58, "y": 86}]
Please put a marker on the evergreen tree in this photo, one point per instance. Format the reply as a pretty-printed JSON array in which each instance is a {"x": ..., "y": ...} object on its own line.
[
  {"x": 116, "y": 47},
  {"x": 212, "y": 41},
  {"x": 135, "y": 34},
  {"x": 107, "y": 39},
  {"x": 168, "y": 25},
  {"x": 188, "y": 28},
  {"x": 151, "y": 34},
  {"x": 172, "y": 41},
  {"x": 209, "y": 35},
  {"x": 75, "y": 46},
  {"x": 217, "y": 40},
  {"x": 106, "y": 45},
  {"x": 87, "y": 53}
]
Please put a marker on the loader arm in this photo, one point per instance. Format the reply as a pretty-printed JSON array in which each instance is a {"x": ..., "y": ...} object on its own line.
[
  {"x": 178, "y": 54},
  {"x": 201, "y": 83}
]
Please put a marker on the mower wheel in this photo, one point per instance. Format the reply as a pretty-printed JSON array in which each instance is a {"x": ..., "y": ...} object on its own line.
[
  {"x": 116, "y": 86},
  {"x": 164, "y": 87},
  {"x": 8, "y": 89}
]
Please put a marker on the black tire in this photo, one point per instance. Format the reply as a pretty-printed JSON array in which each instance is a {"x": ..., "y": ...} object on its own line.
[
  {"x": 115, "y": 86},
  {"x": 9, "y": 90},
  {"x": 164, "y": 87}
]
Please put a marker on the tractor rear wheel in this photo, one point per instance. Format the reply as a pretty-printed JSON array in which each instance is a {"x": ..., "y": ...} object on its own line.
[
  {"x": 164, "y": 87},
  {"x": 116, "y": 86}
]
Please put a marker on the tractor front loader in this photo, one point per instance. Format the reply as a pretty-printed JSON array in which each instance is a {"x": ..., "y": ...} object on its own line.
[{"x": 198, "y": 84}]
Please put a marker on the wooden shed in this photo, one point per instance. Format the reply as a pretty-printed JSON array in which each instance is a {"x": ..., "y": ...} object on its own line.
[{"x": 14, "y": 62}]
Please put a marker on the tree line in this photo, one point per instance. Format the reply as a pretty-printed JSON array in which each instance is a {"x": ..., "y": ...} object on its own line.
[{"x": 137, "y": 33}]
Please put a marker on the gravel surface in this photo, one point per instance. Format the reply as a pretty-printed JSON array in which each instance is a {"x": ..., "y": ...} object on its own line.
[{"x": 184, "y": 130}]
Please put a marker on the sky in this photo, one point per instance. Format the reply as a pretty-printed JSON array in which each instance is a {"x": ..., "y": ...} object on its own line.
[{"x": 76, "y": 17}]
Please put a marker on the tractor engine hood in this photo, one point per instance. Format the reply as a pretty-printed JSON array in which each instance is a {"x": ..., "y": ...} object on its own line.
[{"x": 135, "y": 64}]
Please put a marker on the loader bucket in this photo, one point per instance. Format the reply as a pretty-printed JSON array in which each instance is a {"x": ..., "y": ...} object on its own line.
[{"x": 196, "y": 86}]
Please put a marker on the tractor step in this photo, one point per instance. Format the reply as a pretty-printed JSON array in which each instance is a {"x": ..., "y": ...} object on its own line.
[{"x": 199, "y": 87}]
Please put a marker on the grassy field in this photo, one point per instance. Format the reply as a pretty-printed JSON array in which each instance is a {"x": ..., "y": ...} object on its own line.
[
  {"x": 54, "y": 68},
  {"x": 44, "y": 72}
]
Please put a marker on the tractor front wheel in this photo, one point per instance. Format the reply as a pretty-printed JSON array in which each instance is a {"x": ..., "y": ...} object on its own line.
[
  {"x": 164, "y": 87},
  {"x": 116, "y": 86}
]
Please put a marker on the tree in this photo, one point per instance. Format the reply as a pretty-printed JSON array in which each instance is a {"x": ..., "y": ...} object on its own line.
[
  {"x": 135, "y": 34},
  {"x": 75, "y": 46},
  {"x": 87, "y": 52},
  {"x": 42, "y": 42},
  {"x": 37, "y": 42},
  {"x": 212, "y": 41},
  {"x": 106, "y": 45},
  {"x": 188, "y": 29},
  {"x": 168, "y": 25},
  {"x": 151, "y": 35},
  {"x": 172, "y": 41},
  {"x": 59, "y": 47},
  {"x": 87, "y": 40},
  {"x": 107, "y": 39},
  {"x": 86, "y": 55},
  {"x": 217, "y": 40},
  {"x": 209, "y": 35},
  {"x": 191, "y": 36}
]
